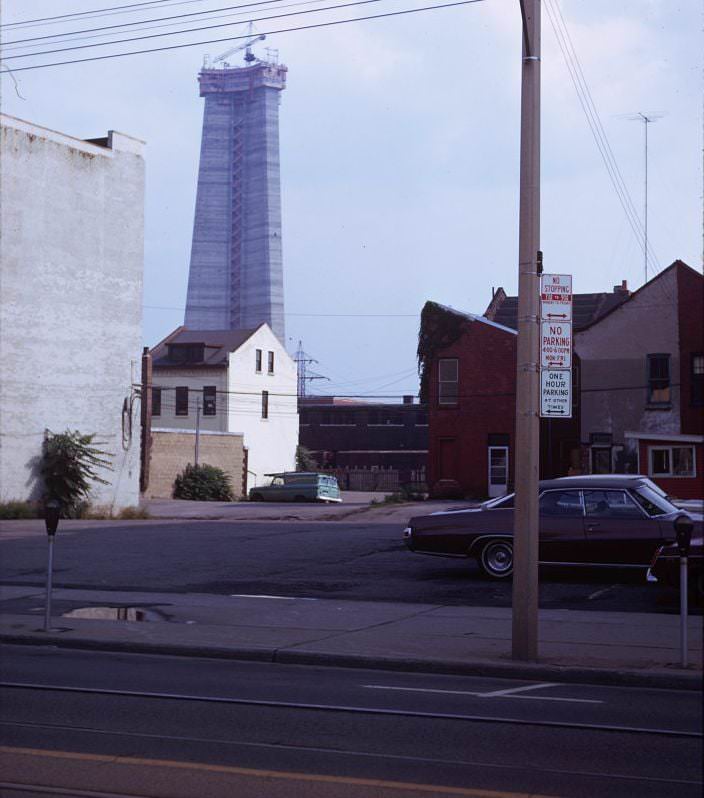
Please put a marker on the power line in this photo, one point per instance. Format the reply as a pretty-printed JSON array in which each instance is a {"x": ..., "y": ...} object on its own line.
[
  {"x": 189, "y": 30},
  {"x": 584, "y": 95},
  {"x": 97, "y": 12},
  {"x": 266, "y": 33},
  {"x": 140, "y": 22}
]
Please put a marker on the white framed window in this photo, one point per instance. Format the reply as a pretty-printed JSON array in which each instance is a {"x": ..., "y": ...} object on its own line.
[
  {"x": 671, "y": 461},
  {"x": 448, "y": 380}
]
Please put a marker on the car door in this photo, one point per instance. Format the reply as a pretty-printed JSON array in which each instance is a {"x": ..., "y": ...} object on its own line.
[
  {"x": 618, "y": 531},
  {"x": 562, "y": 537}
]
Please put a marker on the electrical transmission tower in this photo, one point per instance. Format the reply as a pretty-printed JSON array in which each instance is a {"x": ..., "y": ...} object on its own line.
[{"x": 304, "y": 374}]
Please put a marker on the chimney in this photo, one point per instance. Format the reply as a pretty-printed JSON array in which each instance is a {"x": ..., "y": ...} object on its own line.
[
  {"x": 622, "y": 289},
  {"x": 408, "y": 400}
]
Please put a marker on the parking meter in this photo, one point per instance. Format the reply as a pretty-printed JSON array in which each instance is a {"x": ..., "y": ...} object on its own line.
[
  {"x": 683, "y": 533},
  {"x": 52, "y": 513}
]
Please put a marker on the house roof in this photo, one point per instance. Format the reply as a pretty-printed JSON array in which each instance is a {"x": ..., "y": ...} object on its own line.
[
  {"x": 218, "y": 344},
  {"x": 586, "y": 308},
  {"x": 473, "y": 317}
]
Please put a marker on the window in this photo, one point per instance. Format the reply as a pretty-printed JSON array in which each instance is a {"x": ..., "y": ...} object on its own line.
[
  {"x": 156, "y": 401},
  {"x": 258, "y": 360},
  {"x": 209, "y": 400},
  {"x": 560, "y": 503},
  {"x": 697, "y": 377},
  {"x": 265, "y": 404},
  {"x": 182, "y": 401},
  {"x": 448, "y": 378},
  {"x": 671, "y": 461},
  {"x": 615, "y": 504},
  {"x": 658, "y": 379},
  {"x": 270, "y": 363},
  {"x": 601, "y": 460}
]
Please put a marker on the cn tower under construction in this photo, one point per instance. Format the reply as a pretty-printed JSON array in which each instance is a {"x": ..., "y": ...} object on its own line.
[{"x": 236, "y": 272}]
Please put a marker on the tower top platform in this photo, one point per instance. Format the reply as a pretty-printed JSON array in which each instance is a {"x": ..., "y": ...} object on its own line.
[{"x": 238, "y": 79}]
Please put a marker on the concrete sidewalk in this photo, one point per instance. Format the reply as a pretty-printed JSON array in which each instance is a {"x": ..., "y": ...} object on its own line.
[{"x": 607, "y": 647}]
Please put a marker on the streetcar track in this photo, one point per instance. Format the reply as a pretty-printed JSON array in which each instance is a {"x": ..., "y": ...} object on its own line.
[
  {"x": 371, "y": 755},
  {"x": 598, "y": 727}
]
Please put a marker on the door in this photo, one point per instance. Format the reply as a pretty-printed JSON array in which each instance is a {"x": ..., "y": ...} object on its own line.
[
  {"x": 562, "y": 537},
  {"x": 498, "y": 470},
  {"x": 617, "y": 529}
]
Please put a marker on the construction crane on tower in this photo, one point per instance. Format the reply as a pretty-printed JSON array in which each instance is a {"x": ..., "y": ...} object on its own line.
[{"x": 245, "y": 45}]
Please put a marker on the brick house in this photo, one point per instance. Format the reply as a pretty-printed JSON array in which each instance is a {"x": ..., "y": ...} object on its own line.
[
  {"x": 369, "y": 445},
  {"x": 642, "y": 384},
  {"x": 468, "y": 381}
]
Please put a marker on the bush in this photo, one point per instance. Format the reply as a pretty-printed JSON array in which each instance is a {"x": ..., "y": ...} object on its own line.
[
  {"x": 17, "y": 509},
  {"x": 69, "y": 467},
  {"x": 203, "y": 483},
  {"x": 305, "y": 460}
]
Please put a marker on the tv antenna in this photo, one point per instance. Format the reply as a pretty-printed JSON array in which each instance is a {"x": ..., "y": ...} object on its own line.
[{"x": 646, "y": 119}]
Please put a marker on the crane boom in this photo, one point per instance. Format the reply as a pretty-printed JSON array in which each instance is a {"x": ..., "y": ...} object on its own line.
[{"x": 246, "y": 45}]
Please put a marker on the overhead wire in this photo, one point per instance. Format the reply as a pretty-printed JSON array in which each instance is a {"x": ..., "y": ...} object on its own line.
[
  {"x": 97, "y": 12},
  {"x": 596, "y": 127},
  {"x": 313, "y": 26}
]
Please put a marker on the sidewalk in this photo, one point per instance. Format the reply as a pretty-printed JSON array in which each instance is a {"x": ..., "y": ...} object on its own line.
[{"x": 616, "y": 648}]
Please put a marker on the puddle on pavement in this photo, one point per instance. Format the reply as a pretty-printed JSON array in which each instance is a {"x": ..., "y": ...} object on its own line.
[{"x": 114, "y": 614}]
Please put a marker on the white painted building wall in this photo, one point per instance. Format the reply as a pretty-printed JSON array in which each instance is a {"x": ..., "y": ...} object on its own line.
[
  {"x": 71, "y": 269},
  {"x": 271, "y": 442}
]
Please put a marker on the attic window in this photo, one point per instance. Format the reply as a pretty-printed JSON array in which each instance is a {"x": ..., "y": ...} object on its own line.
[{"x": 186, "y": 353}]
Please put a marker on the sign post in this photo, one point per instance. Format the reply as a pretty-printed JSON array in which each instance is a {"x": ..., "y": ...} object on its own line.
[
  {"x": 556, "y": 346},
  {"x": 52, "y": 514}
]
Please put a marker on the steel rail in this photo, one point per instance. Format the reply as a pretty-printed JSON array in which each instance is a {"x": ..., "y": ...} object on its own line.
[
  {"x": 503, "y": 766},
  {"x": 598, "y": 727}
]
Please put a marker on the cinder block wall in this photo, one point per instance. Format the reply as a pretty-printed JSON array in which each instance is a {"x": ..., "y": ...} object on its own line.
[{"x": 173, "y": 450}]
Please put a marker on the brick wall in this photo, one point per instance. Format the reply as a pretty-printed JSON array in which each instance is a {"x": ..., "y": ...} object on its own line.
[{"x": 172, "y": 451}]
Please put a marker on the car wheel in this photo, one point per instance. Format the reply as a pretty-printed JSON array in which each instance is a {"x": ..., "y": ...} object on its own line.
[
  {"x": 256, "y": 497},
  {"x": 496, "y": 559}
]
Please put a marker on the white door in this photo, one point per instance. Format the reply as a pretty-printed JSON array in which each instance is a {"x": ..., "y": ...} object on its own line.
[{"x": 498, "y": 470}]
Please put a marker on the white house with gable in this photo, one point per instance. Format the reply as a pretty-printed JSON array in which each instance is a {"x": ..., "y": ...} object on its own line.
[{"x": 238, "y": 381}]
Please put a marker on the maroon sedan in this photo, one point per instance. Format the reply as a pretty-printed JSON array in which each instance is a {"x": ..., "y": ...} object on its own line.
[{"x": 602, "y": 520}]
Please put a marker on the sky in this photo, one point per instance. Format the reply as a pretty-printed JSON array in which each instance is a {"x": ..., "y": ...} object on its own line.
[{"x": 400, "y": 156}]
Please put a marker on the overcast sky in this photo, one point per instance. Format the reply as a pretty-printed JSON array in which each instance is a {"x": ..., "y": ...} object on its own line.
[{"x": 399, "y": 153}]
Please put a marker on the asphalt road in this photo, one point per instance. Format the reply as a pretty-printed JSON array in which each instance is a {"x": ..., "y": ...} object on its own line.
[
  {"x": 324, "y": 560},
  {"x": 165, "y": 726}
]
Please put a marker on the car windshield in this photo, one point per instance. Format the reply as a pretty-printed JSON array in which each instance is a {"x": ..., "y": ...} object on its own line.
[
  {"x": 653, "y": 502},
  {"x": 500, "y": 503}
]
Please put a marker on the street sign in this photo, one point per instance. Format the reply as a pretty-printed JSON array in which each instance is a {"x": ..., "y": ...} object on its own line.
[
  {"x": 556, "y": 297},
  {"x": 555, "y": 345},
  {"x": 556, "y": 393}
]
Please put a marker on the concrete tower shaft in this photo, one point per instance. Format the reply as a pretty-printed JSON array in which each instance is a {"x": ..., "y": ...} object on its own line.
[{"x": 236, "y": 272}]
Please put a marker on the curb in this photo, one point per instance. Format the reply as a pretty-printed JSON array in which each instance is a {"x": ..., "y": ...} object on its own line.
[{"x": 660, "y": 679}]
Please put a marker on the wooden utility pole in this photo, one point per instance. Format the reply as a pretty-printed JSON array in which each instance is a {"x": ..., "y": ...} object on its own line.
[{"x": 527, "y": 448}]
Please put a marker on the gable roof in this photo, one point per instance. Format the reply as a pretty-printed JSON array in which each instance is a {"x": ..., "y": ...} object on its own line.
[
  {"x": 586, "y": 308},
  {"x": 676, "y": 265},
  {"x": 218, "y": 344}
]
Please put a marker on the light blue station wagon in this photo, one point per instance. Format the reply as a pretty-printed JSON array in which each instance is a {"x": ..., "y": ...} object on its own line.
[{"x": 297, "y": 486}]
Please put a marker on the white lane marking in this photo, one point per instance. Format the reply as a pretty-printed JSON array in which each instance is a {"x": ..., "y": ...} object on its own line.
[
  {"x": 600, "y": 592},
  {"x": 496, "y": 694},
  {"x": 524, "y": 689},
  {"x": 280, "y": 598}
]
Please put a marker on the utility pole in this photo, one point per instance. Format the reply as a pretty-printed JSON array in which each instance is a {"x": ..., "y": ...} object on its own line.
[
  {"x": 525, "y": 533},
  {"x": 146, "y": 419}
]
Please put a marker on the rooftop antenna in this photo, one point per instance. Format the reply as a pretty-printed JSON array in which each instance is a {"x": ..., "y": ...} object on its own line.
[{"x": 646, "y": 119}]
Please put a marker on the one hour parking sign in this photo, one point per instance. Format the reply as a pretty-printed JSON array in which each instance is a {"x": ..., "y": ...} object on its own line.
[{"x": 556, "y": 393}]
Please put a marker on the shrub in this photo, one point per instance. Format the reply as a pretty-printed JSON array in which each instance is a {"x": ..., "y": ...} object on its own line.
[
  {"x": 69, "y": 468},
  {"x": 17, "y": 509},
  {"x": 305, "y": 460},
  {"x": 203, "y": 483}
]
